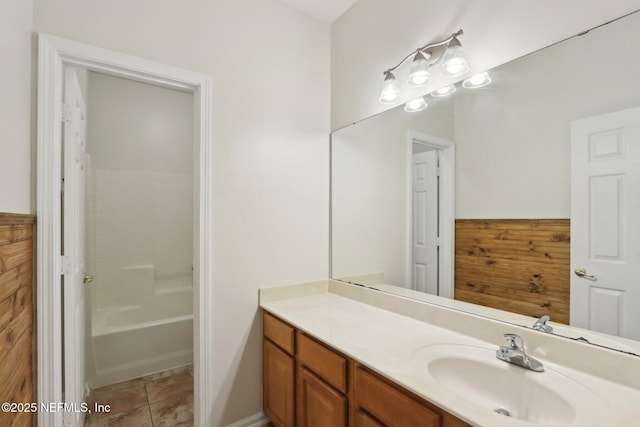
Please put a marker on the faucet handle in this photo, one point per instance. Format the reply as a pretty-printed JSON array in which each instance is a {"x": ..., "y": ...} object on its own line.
[
  {"x": 515, "y": 341},
  {"x": 542, "y": 325}
]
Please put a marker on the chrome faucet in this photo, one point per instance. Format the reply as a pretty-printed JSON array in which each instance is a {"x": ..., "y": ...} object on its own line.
[
  {"x": 515, "y": 354},
  {"x": 541, "y": 324}
]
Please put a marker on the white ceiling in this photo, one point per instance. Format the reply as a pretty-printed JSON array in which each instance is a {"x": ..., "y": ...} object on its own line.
[{"x": 325, "y": 10}]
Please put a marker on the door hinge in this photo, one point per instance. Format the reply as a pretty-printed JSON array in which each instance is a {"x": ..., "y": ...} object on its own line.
[
  {"x": 438, "y": 171},
  {"x": 67, "y": 113},
  {"x": 65, "y": 264}
]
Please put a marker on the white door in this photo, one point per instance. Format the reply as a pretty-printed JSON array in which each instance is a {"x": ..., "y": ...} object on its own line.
[
  {"x": 74, "y": 147},
  {"x": 605, "y": 223},
  {"x": 424, "y": 258}
]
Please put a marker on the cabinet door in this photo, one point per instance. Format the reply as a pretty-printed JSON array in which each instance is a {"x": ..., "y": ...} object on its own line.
[
  {"x": 278, "y": 379},
  {"x": 318, "y": 404}
]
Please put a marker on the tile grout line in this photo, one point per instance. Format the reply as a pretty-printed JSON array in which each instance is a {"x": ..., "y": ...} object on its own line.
[
  {"x": 145, "y": 383},
  {"x": 146, "y": 393}
]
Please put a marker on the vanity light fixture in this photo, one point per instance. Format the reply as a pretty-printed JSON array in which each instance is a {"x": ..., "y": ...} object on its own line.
[
  {"x": 420, "y": 72},
  {"x": 415, "y": 105},
  {"x": 445, "y": 91},
  {"x": 454, "y": 63},
  {"x": 447, "y": 52},
  {"x": 390, "y": 88},
  {"x": 479, "y": 80}
]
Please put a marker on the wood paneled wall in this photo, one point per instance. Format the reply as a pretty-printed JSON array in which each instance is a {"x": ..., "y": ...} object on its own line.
[
  {"x": 517, "y": 265},
  {"x": 16, "y": 316}
]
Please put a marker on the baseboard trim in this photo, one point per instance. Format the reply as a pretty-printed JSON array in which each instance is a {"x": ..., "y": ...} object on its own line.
[{"x": 257, "y": 420}]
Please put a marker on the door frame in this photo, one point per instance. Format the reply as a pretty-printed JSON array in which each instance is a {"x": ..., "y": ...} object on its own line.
[
  {"x": 54, "y": 54},
  {"x": 446, "y": 207}
]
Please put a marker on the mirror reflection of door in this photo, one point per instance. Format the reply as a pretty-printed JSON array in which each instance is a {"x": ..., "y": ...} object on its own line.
[
  {"x": 424, "y": 209},
  {"x": 605, "y": 234}
]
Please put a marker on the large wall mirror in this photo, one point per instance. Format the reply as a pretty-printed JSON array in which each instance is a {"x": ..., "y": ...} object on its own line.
[{"x": 515, "y": 200}]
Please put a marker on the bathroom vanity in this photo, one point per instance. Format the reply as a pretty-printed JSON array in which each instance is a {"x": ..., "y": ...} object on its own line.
[
  {"x": 497, "y": 213},
  {"x": 336, "y": 354},
  {"x": 308, "y": 383}
]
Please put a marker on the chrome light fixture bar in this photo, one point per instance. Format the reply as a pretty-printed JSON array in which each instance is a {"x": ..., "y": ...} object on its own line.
[{"x": 453, "y": 64}]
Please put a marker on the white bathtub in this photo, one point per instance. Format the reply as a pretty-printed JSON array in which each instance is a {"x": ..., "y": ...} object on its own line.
[{"x": 132, "y": 341}]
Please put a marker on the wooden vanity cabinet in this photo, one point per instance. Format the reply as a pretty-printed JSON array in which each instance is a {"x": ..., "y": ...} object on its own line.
[
  {"x": 362, "y": 419},
  {"x": 308, "y": 384},
  {"x": 317, "y": 403},
  {"x": 390, "y": 406},
  {"x": 380, "y": 402},
  {"x": 321, "y": 395},
  {"x": 278, "y": 372}
]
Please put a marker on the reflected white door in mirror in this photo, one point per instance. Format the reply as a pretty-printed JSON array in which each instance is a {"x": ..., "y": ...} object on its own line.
[
  {"x": 430, "y": 226},
  {"x": 424, "y": 241},
  {"x": 605, "y": 234}
]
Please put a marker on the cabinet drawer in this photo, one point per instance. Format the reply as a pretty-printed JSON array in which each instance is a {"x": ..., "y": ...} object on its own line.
[
  {"x": 362, "y": 419},
  {"x": 389, "y": 405},
  {"x": 278, "y": 332},
  {"x": 327, "y": 364}
]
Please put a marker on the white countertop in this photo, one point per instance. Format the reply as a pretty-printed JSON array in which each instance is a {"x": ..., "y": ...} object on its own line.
[{"x": 399, "y": 348}]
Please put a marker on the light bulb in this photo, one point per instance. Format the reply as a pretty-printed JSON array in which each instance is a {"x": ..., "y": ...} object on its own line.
[
  {"x": 415, "y": 105},
  {"x": 419, "y": 73},
  {"x": 445, "y": 91},
  {"x": 390, "y": 89},
  {"x": 479, "y": 80},
  {"x": 454, "y": 63}
]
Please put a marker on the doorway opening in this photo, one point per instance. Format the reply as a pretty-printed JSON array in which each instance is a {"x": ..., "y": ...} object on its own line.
[
  {"x": 139, "y": 248},
  {"x": 61, "y": 269}
]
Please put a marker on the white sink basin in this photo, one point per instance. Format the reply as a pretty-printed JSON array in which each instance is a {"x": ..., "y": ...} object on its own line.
[
  {"x": 548, "y": 398},
  {"x": 502, "y": 388}
]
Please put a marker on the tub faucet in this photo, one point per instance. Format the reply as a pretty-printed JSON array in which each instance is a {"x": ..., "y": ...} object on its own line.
[
  {"x": 515, "y": 354},
  {"x": 541, "y": 324}
]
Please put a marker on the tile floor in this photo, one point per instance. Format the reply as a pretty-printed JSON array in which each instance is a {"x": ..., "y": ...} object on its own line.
[{"x": 163, "y": 399}]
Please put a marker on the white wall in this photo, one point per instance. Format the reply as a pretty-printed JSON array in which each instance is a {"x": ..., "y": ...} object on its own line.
[
  {"x": 137, "y": 126},
  {"x": 369, "y": 190},
  {"x": 375, "y": 35},
  {"x": 140, "y": 231},
  {"x": 513, "y": 137},
  {"x": 270, "y": 71},
  {"x": 15, "y": 106}
]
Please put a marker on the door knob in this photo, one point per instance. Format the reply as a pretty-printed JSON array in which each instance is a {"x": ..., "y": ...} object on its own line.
[
  {"x": 88, "y": 278},
  {"x": 582, "y": 272}
]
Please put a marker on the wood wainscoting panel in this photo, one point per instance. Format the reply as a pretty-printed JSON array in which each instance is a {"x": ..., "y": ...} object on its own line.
[
  {"x": 517, "y": 265},
  {"x": 16, "y": 316}
]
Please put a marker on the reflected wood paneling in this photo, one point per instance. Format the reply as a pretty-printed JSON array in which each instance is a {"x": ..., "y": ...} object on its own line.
[
  {"x": 16, "y": 315},
  {"x": 517, "y": 265}
]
